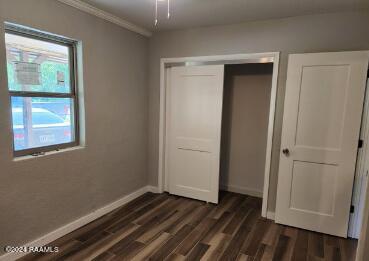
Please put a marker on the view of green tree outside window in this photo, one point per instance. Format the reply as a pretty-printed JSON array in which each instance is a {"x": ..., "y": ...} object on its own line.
[{"x": 40, "y": 84}]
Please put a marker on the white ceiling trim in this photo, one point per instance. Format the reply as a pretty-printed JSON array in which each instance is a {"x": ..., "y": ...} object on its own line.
[{"x": 106, "y": 16}]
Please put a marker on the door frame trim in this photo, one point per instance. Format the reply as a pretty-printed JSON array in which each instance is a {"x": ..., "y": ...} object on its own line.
[
  {"x": 361, "y": 173},
  {"x": 166, "y": 63}
]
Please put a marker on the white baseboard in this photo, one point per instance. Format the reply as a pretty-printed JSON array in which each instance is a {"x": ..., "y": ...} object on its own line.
[
  {"x": 270, "y": 215},
  {"x": 242, "y": 190},
  {"x": 153, "y": 189},
  {"x": 50, "y": 237}
]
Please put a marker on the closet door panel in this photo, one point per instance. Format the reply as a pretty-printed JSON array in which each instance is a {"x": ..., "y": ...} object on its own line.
[{"x": 194, "y": 112}]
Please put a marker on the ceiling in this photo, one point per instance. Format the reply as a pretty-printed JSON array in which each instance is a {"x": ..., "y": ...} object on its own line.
[{"x": 195, "y": 13}]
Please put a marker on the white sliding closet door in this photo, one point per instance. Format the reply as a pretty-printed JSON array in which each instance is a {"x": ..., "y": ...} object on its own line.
[
  {"x": 194, "y": 114},
  {"x": 321, "y": 125}
]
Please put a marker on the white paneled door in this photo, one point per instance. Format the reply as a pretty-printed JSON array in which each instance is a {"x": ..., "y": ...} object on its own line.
[
  {"x": 321, "y": 125},
  {"x": 194, "y": 113}
]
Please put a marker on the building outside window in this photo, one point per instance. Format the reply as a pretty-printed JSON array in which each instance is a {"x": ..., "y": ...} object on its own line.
[{"x": 43, "y": 91}]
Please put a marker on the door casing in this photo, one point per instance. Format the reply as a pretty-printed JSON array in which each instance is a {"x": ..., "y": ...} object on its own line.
[
  {"x": 361, "y": 174},
  {"x": 166, "y": 63}
]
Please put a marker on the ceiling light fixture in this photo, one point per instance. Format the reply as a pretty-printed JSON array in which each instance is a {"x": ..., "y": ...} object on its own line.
[{"x": 156, "y": 10}]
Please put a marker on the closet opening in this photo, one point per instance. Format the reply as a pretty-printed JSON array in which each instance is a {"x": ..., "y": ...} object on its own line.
[
  {"x": 245, "y": 119},
  {"x": 216, "y": 126}
]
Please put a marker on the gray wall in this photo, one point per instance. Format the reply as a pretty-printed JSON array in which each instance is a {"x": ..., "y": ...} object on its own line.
[
  {"x": 315, "y": 33},
  {"x": 247, "y": 90},
  {"x": 41, "y": 194}
]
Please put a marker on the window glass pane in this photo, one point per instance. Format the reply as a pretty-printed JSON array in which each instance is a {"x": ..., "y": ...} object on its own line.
[
  {"x": 36, "y": 65},
  {"x": 39, "y": 122}
]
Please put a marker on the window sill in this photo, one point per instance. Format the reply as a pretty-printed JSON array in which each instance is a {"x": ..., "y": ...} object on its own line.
[{"x": 28, "y": 157}]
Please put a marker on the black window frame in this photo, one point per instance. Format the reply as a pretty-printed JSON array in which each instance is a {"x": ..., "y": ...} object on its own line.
[{"x": 73, "y": 94}]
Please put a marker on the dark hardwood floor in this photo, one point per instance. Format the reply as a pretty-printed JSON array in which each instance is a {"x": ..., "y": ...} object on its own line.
[{"x": 167, "y": 227}]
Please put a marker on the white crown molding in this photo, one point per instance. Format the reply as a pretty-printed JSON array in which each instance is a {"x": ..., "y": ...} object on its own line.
[{"x": 106, "y": 16}]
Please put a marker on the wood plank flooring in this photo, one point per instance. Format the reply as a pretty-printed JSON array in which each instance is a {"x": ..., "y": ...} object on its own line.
[{"x": 167, "y": 227}]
